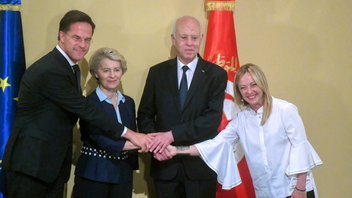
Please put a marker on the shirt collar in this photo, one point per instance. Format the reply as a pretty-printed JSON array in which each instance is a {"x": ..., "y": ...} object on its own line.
[
  {"x": 260, "y": 110},
  {"x": 102, "y": 97},
  {"x": 192, "y": 65},
  {"x": 65, "y": 55}
]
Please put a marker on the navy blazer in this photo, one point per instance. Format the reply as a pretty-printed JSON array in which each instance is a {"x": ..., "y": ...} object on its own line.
[
  {"x": 40, "y": 143},
  {"x": 159, "y": 111},
  {"x": 104, "y": 169}
]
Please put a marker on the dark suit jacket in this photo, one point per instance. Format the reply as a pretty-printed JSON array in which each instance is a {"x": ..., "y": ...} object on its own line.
[
  {"x": 159, "y": 111},
  {"x": 104, "y": 169},
  {"x": 40, "y": 143}
]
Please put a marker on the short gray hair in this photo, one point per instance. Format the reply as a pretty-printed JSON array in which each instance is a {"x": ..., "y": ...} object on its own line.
[{"x": 103, "y": 53}]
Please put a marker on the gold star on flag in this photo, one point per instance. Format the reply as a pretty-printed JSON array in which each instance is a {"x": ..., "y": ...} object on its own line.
[{"x": 4, "y": 84}]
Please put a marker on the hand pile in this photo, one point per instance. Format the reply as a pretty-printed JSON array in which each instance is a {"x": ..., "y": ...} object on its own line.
[
  {"x": 156, "y": 143},
  {"x": 159, "y": 145}
]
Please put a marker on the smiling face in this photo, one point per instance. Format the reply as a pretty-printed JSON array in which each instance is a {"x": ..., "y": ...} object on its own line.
[
  {"x": 250, "y": 91},
  {"x": 187, "y": 39},
  {"x": 109, "y": 75},
  {"x": 76, "y": 42}
]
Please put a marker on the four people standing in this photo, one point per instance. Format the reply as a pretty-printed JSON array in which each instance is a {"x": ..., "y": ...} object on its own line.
[{"x": 181, "y": 105}]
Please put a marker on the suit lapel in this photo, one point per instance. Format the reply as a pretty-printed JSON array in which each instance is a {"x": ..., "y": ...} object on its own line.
[
  {"x": 65, "y": 65},
  {"x": 198, "y": 76},
  {"x": 173, "y": 82}
]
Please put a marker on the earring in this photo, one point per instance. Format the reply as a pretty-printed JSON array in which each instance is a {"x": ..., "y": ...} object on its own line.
[{"x": 242, "y": 102}]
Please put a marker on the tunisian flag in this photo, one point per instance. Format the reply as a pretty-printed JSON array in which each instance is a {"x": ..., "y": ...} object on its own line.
[{"x": 221, "y": 49}]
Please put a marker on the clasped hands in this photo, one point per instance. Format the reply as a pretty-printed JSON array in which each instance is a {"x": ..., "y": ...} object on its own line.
[
  {"x": 160, "y": 145},
  {"x": 157, "y": 143}
]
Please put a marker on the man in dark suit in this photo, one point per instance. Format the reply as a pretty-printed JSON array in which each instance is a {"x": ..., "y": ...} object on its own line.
[
  {"x": 182, "y": 117},
  {"x": 37, "y": 157}
]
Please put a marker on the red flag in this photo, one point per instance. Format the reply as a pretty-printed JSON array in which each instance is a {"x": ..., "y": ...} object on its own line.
[{"x": 221, "y": 49}]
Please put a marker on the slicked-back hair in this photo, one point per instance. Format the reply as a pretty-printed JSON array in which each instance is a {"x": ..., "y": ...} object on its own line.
[{"x": 71, "y": 17}]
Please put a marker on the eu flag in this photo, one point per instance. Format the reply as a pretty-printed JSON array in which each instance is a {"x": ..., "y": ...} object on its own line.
[{"x": 12, "y": 67}]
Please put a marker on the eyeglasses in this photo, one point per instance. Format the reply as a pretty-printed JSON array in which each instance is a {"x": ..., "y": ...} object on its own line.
[{"x": 78, "y": 39}]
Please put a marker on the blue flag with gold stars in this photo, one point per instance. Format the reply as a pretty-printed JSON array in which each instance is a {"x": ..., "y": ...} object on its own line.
[{"x": 12, "y": 67}]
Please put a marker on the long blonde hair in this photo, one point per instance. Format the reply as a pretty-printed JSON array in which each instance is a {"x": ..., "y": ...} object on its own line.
[{"x": 260, "y": 79}]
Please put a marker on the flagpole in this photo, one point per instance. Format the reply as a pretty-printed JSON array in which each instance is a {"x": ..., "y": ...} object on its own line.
[
  {"x": 221, "y": 49},
  {"x": 12, "y": 67}
]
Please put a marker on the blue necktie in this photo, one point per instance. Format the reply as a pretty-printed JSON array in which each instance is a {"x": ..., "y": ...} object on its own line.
[
  {"x": 183, "y": 86},
  {"x": 78, "y": 77}
]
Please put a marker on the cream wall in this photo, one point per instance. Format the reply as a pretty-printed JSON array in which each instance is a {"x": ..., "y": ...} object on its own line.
[{"x": 304, "y": 47}]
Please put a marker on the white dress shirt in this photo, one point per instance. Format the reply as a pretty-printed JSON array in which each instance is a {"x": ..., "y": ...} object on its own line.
[
  {"x": 189, "y": 73},
  {"x": 275, "y": 152},
  {"x": 65, "y": 55}
]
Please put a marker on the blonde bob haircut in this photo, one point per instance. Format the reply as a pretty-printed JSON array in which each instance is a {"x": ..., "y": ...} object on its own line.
[
  {"x": 103, "y": 53},
  {"x": 260, "y": 79}
]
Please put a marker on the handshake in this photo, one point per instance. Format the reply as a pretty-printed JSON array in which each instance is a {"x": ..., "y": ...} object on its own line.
[{"x": 157, "y": 143}]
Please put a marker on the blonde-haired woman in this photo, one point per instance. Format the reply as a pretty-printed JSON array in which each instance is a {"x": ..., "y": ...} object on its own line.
[
  {"x": 273, "y": 139},
  {"x": 105, "y": 167}
]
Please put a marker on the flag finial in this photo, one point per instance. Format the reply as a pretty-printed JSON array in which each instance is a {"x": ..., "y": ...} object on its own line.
[{"x": 219, "y": 5}]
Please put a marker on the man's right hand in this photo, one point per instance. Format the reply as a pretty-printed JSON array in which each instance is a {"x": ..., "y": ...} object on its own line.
[
  {"x": 160, "y": 141},
  {"x": 138, "y": 139}
]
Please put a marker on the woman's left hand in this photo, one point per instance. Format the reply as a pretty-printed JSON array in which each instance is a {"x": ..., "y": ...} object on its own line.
[
  {"x": 300, "y": 189},
  {"x": 168, "y": 153},
  {"x": 298, "y": 194}
]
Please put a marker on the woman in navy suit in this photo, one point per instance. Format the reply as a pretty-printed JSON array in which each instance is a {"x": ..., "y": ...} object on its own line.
[{"x": 105, "y": 167}]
